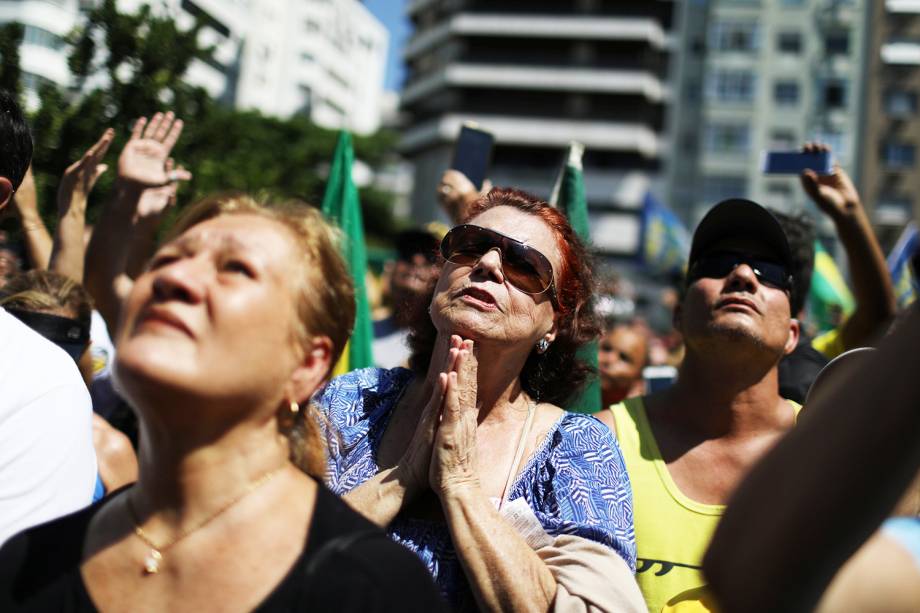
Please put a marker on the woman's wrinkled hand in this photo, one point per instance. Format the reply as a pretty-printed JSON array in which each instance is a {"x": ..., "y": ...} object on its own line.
[
  {"x": 453, "y": 457},
  {"x": 417, "y": 459}
]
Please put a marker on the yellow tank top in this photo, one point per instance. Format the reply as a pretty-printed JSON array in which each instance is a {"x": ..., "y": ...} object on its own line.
[{"x": 672, "y": 531}]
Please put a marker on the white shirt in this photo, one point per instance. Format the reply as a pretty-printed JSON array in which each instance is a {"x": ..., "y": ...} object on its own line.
[{"x": 47, "y": 462}]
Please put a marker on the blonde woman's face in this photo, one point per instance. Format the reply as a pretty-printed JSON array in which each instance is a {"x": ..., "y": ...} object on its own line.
[{"x": 214, "y": 316}]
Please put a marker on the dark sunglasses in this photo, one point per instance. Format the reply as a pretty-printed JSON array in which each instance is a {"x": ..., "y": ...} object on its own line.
[
  {"x": 719, "y": 264},
  {"x": 524, "y": 267}
]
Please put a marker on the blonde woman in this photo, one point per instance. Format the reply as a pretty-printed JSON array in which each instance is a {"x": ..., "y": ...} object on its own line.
[{"x": 234, "y": 324}]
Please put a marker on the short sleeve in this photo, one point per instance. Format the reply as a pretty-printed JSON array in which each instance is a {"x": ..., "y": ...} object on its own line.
[
  {"x": 352, "y": 410},
  {"x": 582, "y": 487}
]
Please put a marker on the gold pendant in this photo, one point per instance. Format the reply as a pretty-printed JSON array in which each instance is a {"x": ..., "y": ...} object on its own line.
[{"x": 152, "y": 562}]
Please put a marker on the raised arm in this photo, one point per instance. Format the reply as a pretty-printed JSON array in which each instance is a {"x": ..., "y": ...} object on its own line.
[
  {"x": 78, "y": 181},
  {"x": 807, "y": 507},
  {"x": 37, "y": 239},
  {"x": 142, "y": 165},
  {"x": 836, "y": 196}
]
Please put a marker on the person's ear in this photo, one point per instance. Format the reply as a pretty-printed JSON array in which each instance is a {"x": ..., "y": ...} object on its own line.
[
  {"x": 6, "y": 192},
  {"x": 793, "y": 339},
  {"x": 310, "y": 374}
]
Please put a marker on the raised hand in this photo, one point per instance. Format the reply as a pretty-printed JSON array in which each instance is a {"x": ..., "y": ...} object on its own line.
[
  {"x": 835, "y": 193},
  {"x": 80, "y": 177},
  {"x": 155, "y": 200},
  {"x": 453, "y": 456},
  {"x": 143, "y": 160}
]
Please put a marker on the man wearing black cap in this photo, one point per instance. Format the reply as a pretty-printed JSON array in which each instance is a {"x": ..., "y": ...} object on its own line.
[
  {"x": 47, "y": 463},
  {"x": 687, "y": 447}
]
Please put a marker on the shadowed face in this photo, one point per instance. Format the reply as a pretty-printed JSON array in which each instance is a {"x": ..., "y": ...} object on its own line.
[
  {"x": 739, "y": 305},
  {"x": 621, "y": 357}
]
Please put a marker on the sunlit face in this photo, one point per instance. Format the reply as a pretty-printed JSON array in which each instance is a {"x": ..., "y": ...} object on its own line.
[
  {"x": 621, "y": 357},
  {"x": 214, "y": 315},
  {"x": 738, "y": 306},
  {"x": 478, "y": 302}
]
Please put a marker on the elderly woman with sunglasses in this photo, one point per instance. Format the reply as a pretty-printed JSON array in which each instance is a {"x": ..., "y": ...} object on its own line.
[{"x": 466, "y": 459}]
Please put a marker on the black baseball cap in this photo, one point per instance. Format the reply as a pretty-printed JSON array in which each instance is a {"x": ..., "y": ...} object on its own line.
[{"x": 737, "y": 217}]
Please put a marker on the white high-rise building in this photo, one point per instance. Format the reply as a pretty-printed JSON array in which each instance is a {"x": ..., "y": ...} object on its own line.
[{"x": 323, "y": 58}]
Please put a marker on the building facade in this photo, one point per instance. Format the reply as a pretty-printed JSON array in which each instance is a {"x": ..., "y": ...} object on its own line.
[
  {"x": 890, "y": 180},
  {"x": 539, "y": 75},
  {"x": 759, "y": 75},
  {"x": 322, "y": 58}
]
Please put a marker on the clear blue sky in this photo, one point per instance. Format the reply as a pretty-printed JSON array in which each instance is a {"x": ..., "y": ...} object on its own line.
[{"x": 393, "y": 15}]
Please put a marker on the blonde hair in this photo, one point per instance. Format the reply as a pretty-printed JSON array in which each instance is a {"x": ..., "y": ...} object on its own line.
[
  {"x": 325, "y": 297},
  {"x": 43, "y": 291}
]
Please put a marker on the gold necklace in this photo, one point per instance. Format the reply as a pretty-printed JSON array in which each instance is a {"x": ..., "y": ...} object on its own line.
[{"x": 155, "y": 557}]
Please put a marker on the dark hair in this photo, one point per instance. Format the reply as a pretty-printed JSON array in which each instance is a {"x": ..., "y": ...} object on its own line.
[
  {"x": 16, "y": 140},
  {"x": 557, "y": 374},
  {"x": 800, "y": 232}
]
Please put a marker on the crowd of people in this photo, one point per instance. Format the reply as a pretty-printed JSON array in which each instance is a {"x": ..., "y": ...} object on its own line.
[{"x": 171, "y": 437}]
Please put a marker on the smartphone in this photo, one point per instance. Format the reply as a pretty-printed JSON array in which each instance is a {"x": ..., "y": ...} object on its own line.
[
  {"x": 658, "y": 378},
  {"x": 794, "y": 162},
  {"x": 473, "y": 153}
]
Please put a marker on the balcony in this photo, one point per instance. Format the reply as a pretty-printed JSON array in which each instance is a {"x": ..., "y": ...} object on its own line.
[
  {"x": 901, "y": 53},
  {"x": 540, "y": 26},
  {"x": 903, "y": 6},
  {"x": 596, "y": 135},
  {"x": 536, "y": 78}
]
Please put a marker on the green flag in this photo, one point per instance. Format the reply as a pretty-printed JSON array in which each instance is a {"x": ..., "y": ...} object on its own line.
[
  {"x": 829, "y": 296},
  {"x": 569, "y": 197},
  {"x": 342, "y": 207}
]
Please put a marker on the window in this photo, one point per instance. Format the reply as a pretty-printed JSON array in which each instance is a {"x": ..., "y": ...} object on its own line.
[
  {"x": 42, "y": 37},
  {"x": 734, "y": 36},
  {"x": 900, "y": 103},
  {"x": 727, "y": 138},
  {"x": 786, "y": 93},
  {"x": 33, "y": 82},
  {"x": 837, "y": 43},
  {"x": 898, "y": 155},
  {"x": 835, "y": 94},
  {"x": 789, "y": 42},
  {"x": 720, "y": 187},
  {"x": 732, "y": 86},
  {"x": 783, "y": 138}
]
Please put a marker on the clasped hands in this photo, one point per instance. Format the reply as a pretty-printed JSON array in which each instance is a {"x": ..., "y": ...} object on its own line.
[{"x": 442, "y": 452}]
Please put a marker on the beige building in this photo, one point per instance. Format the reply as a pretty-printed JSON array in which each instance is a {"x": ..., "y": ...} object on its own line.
[{"x": 889, "y": 177}]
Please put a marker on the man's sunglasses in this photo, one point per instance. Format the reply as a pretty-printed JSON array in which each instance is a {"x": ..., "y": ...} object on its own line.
[
  {"x": 719, "y": 264},
  {"x": 524, "y": 267}
]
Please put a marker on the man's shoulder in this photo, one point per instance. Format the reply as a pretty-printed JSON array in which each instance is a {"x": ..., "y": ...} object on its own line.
[{"x": 31, "y": 365}]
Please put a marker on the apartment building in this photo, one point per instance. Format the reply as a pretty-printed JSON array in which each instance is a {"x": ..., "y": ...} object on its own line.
[
  {"x": 758, "y": 75},
  {"x": 539, "y": 75}
]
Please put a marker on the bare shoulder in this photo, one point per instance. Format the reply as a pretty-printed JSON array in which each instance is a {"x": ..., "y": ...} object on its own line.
[
  {"x": 606, "y": 417},
  {"x": 881, "y": 576}
]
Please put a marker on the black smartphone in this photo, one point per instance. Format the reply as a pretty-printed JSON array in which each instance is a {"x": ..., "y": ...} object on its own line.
[
  {"x": 473, "y": 154},
  {"x": 794, "y": 162}
]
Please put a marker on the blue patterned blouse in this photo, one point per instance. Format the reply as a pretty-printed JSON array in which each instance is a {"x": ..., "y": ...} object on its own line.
[{"x": 575, "y": 483}]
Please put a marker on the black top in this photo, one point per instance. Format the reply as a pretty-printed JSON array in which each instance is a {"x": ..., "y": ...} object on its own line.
[
  {"x": 348, "y": 564},
  {"x": 799, "y": 369}
]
